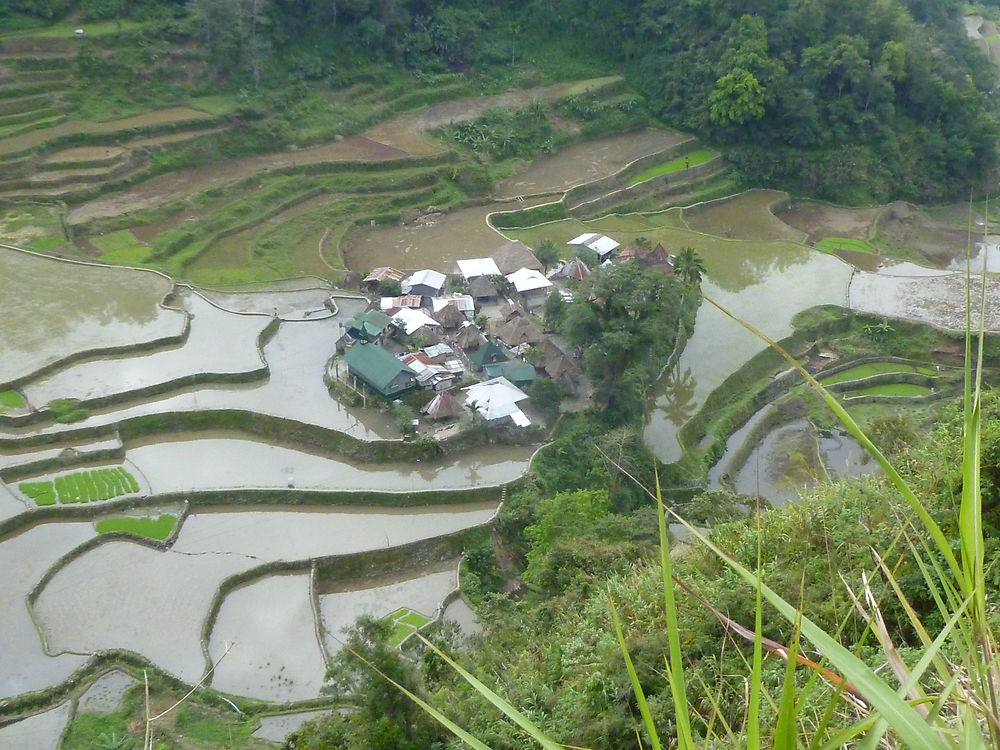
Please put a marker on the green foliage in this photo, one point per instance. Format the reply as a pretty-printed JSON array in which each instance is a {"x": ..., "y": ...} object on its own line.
[
  {"x": 625, "y": 320},
  {"x": 503, "y": 134},
  {"x": 67, "y": 410},
  {"x": 546, "y": 396},
  {"x": 97, "y": 732},
  {"x": 11, "y": 400},
  {"x": 674, "y": 165},
  {"x": 83, "y": 487},
  {"x": 158, "y": 528}
]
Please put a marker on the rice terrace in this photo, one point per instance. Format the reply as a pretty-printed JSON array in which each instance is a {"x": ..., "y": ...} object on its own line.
[{"x": 290, "y": 341}]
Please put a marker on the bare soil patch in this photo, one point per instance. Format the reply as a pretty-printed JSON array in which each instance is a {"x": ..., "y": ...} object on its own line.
[
  {"x": 902, "y": 227},
  {"x": 819, "y": 220}
]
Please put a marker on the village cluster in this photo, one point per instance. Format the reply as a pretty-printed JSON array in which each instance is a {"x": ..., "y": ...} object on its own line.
[{"x": 441, "y": 330}]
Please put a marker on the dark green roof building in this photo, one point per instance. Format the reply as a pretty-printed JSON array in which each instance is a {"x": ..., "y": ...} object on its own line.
[
  {"x": 518, "y": 373},
  {"x": 368, "y": 325},
  {"x": 379, "y": 370},
  {"x": 487, "y": 354}
]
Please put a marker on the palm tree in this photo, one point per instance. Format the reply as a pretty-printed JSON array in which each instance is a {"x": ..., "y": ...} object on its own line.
[{"x": 688, "y": 266}]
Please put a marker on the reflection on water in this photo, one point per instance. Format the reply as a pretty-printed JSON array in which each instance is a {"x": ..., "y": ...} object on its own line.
[
  {"x": 988, "y": 251},
  {"x": 784, "y": 462},
  {"x": 763, "y": 284},
  {"x": 50, "y": 309}
]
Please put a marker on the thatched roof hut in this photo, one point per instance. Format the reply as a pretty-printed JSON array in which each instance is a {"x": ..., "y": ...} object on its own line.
[
  {"x": 468, "y": 337},
  {"x": 449, "y": 317},
  {"x": 482, "y": 288},
  {"x": 443, "y": 405},
  {"x": 514, "y": 255},
  {"x": 518, "y": 331}
]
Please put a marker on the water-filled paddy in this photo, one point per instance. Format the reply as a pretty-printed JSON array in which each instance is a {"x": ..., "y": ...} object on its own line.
[
  {"x": 50, "y": 310},
  {"x": 796, "y": 280},
  {"x": 276, "y": 728},
  {"x": 783, "y": 463},
  {"x": 747, "y": 216},
  {"x": 937, "y": 298},
  {"x": 39, "y": 732},
  {"x": 107, "y": 597},
  {"x": 219, "y": 342},
  {"x": 585, "y": 162},
  {"x": 274, "y": 654},
  {"x": 819, "y": 220},
  {"x": 421, "y": 590},
  {"x": 24, "y": 558},
  {"x": 219, "y": 463},
  {"x": 106, "y": 693},
  {"x": 435, "y": 243}
]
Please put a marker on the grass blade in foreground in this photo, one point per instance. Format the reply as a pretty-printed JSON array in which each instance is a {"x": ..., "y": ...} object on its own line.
[{"x": 640, "y": 697}]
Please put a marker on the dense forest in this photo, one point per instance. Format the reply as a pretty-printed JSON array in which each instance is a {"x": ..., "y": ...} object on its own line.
[{"x": 855, "y": 101}]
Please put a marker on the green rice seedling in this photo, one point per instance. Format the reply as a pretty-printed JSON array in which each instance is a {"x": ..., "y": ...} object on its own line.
[
  {"x": 42, "y": 493},
  {"x": 133, "y": 485},
  {"x": 62, "y": 489}
]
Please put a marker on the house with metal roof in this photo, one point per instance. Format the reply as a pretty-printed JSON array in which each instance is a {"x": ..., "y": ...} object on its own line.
[
  {"x": 488, "y": 353},
  {"x": 530, "y": 284},
  {"x": 379, "y": 370},
  {"x": 598, "y": 243},
  {"x": 368, "y": 326},
  {"x": 496, "y": 400},
  {"x": 473, "y": 268},
  {"x": 426, "y": 283},
  {"x": 518, "y": 373}
]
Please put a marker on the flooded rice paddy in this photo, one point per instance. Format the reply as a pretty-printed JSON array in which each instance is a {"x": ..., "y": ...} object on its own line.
[
  {"x": 24, "y": 559},
  {"x": 435, "y": 242},
  {"x": 421, "y": 590},
  {"x": 274, "y": 653},
  {"x": 105, "y": 695},
  {"x": 39, "y": 732},
  {"x": 276, "y": 728},
  {"x": 747, "y": 216},
  {"x": 83, "y": 308},
  {"x": 934, "y": 297},
  {"x": 108, "y": 596},
  {"x": 766, "y": 287},
  {"x": 219, "y": 342},
  {"x": 220, "y": 463},
  {"x": 819, "y": 220}
]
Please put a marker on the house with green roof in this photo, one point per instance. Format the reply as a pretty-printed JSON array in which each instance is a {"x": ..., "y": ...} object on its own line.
[
  {"x": 488, "y": 353},
  {"x": 379, "y": 370},
  {"x": 368, "y": 326},
  {"x": 518, "y": 373}
]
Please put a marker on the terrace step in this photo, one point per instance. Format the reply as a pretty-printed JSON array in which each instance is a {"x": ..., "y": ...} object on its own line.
[
  {"x": 22, "y": 103},
  {"x": 83, "y": 157},
  {"x": 31, "y": 115},
  {"x": 16, "y": 89}
]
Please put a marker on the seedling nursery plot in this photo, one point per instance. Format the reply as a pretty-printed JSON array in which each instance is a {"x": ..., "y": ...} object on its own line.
[{"x": 82, "y": 486}]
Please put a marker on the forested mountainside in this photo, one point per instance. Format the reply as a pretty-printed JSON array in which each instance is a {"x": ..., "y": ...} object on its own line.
[{"x": 850, "y": 100}]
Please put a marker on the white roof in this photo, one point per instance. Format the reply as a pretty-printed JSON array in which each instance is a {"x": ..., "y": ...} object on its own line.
[
  {"x": 496, "y": 399},
  {"x": 473, "y": 267},
  {"x": 463, "y": 302},
  {"x": 599, "y": 243},
  {"x": 413, "y": 320},
  {"x": 526, "y": 280},
  {"x": 603, "y": 245},
  {"x": 583, "y": 239},
  {"x": 437, "y": 350},
  {"x": 427, "y": 277},
  {"x": 520, "y": 418}
]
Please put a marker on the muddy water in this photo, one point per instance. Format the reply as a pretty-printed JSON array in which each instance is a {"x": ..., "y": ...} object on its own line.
[
  {"x": 988, "y": 252},
  {"x": 24, "y": 559},
  {"x": 221, "y": 463},
  {"x": 724, "y": 465},
  {"x": 934, "y": 297},
  {"x": 276, "y": 728},
  {"x": 460, "y": 613},
  {"x": 274, "y": 655},
  {"x": 819, "y": 220},
  {"x": 274, "y": 534},
  {"x": 293, "y": 305},
  {"x": 126, "y": 595},
  {"x": 424, "y": 593},
  {"x": 39, "y": 732},
  {"x": 219, "y": 342},
  {"x": 747, "y": 216},
  {"x": 297, "y": 357},
  {"x": 49, "y": 310},
  {"x": 843, "y": 456},
  {"x": 764, "y": 284},
  {"x": 35, "y": 137},
  {"x": 586, "y": 162},
  {"x": 435, "y": 243},
  {"x": 10, "y": 504},
  {"x": 105, "y": 695},
  {"x": 783, "y": 463},
  {"x": 9, "y": 458}
]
